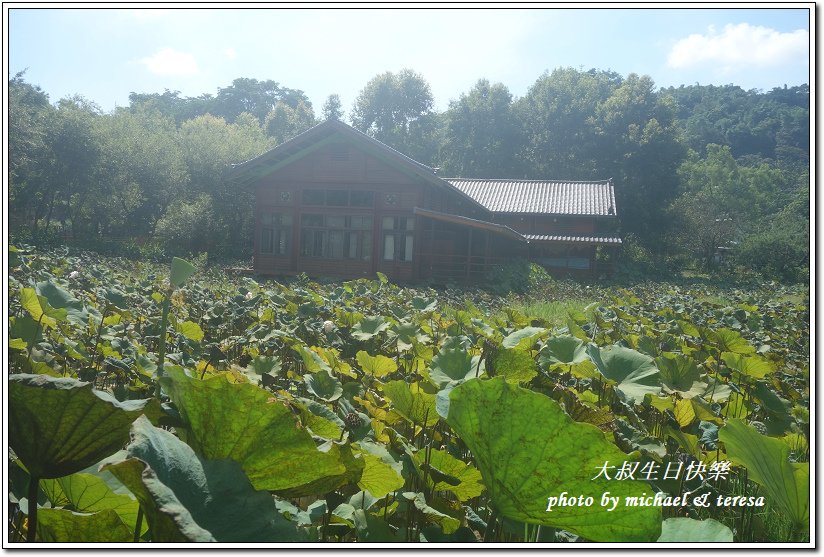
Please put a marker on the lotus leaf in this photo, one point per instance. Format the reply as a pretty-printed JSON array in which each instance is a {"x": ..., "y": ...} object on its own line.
[
  {"x": 59, "y": 426},
  {"x": 188, "y": 498},
  {"x": 244, "y": 423},
  {"x": 528, "y": 449}
]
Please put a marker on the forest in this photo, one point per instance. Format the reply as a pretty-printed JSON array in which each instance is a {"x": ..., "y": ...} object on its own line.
[{"x": 695, "y": 167}]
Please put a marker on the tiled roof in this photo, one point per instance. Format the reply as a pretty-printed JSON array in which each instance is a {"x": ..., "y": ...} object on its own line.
[
  {"x": 573, "y": 239},
  {"x": 540, "y": 196}
]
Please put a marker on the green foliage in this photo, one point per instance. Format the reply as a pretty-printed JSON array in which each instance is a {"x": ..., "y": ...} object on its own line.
[
  {"x": 60, "y": 426},
  {"x": 238, "y": 422},
  {"x": 277, "y": 426},
  {"x": 767, "y": 460},
  {"x": 190, "y": 499},
  {"x": 689, "y": 530},
  {"x": 528, "y": 449}
]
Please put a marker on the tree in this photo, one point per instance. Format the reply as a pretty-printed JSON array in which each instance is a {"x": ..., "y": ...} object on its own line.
[
  {"x": 780, "y": 246},
  {"x": 556, "y": 116},
  {"x": 30, "y": 114},
  {"x": 481, "y": 134},
  {"x": 209, "y": 146},
  {"x": 637, "y": 144},
  {"x": 169, "y": 103},
  {"x": 284, "y": 122},
  {"x": 722, "y": 201},
  {"x": 255, "y": 97},
  {"x": 75, "y": 158},
  {"x": 396, "y": 109},
  {"x": 332, "y": 108},
  {"x": 142, "y": 171}
]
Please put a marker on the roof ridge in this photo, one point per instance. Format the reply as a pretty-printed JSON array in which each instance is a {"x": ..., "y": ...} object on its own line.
[{"x": 558, "y": 181}]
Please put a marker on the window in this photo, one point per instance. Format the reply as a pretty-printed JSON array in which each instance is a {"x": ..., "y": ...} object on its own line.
[
  {"x": 338, "y": 198},
  {"x": 275, "y": 233},
  {"x": 336, "y": 236},
  {"x": 398, "y": 238},
  {"x": 361, "y": 198},
  {"x": 314, "y": 197}
]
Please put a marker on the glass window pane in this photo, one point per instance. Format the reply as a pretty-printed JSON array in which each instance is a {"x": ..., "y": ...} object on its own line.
[
  {"x": 337, "y": 198},
  {"x": 410, "y": 223},
  {"x": 286, "y": 219},
  {"x": 306, "y": 242},
  {"x": 388, "y": 223},
  {"x": 388, "y": 247},
  {"x": 283, "y": 241},
  {"x": 407, "y": 253},
  {"x": 361, "y": 198},
  {"x": 366, "y": 247},
  {"x": 266, "y": 240},
  {"x": 335, "y": 221},
  {"x": 314, "y": 197},
  {"x": 311, "y": 220},
  {"x": 334, "y": 247},
  {"x": 351, "y": 242},
  {"x": 318, "y": 243}
]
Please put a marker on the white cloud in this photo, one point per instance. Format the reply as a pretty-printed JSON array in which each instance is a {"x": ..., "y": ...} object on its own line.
[
  {"x": 168, "y": 61},
  {"x": 739, "y": 46},
  {"x": 230, "y": 53}
]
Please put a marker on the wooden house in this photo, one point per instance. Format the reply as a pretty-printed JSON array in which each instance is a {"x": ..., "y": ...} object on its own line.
[{"x": 335, "y": 202}]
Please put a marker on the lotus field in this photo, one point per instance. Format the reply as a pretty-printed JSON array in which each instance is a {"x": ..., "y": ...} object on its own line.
[{"x": 155, "y": 403}]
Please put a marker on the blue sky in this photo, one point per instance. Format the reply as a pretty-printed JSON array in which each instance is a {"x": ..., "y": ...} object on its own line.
[{"x": 104, "y": 54}]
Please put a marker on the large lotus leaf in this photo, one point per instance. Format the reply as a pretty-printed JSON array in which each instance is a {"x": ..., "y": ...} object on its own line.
[
  {"x": 516, "y": 366},
  {"x": 59, "y": 426},
  {"x": 453, "y": 365},
  {"x": 679, "y": 375},
  {"x": 369, "y": 327},
  {"x": 523, "y": 338},
  {"x": 528, "y": 449},
  {"x": 447, "y": 523},
  {"x": 378, "y": 366},
  {"x": 353, "y": 467},
  {"x": 451, "y": 474},
  {"x": 181, "y": 270},
  {"x": 323, "y": 385},
  {"x": 312, "y": 361},
  {"x": 39, "y": 308},
  {"x": 244, "y": 423},
  {"x": 564, "y": 349},
  {"x": 634, "y": 373},
  {"x": 378, "y": 477},
  {"x": 64, "y": 526},
  {"x": 631, "y": 439},
  {"x": 411, "y": 402},
  {"x": 727, "y": 340},
  {"x": 88, "y": 493},
  {"x": 686, "y": 530},
  {"x": 187, "y": 498},
  {"x": 62, "y": 300},
  {"x": 190, "y": 330},
  {"x": 751, "y": 366},
  {"x": 320, "y": 419},
  {"x": 768, "y": 463}
]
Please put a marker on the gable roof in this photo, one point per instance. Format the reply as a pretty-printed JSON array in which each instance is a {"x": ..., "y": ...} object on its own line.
[
  {"x": 596, "y": 198},
  {"x": 540, "y": 196},
  {"x": 331, "y": 131}
]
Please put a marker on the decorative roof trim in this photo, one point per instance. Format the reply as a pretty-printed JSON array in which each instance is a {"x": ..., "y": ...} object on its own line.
[
  {"x": 569, "y": 239},
  {"x": 474, "y": 223}
]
